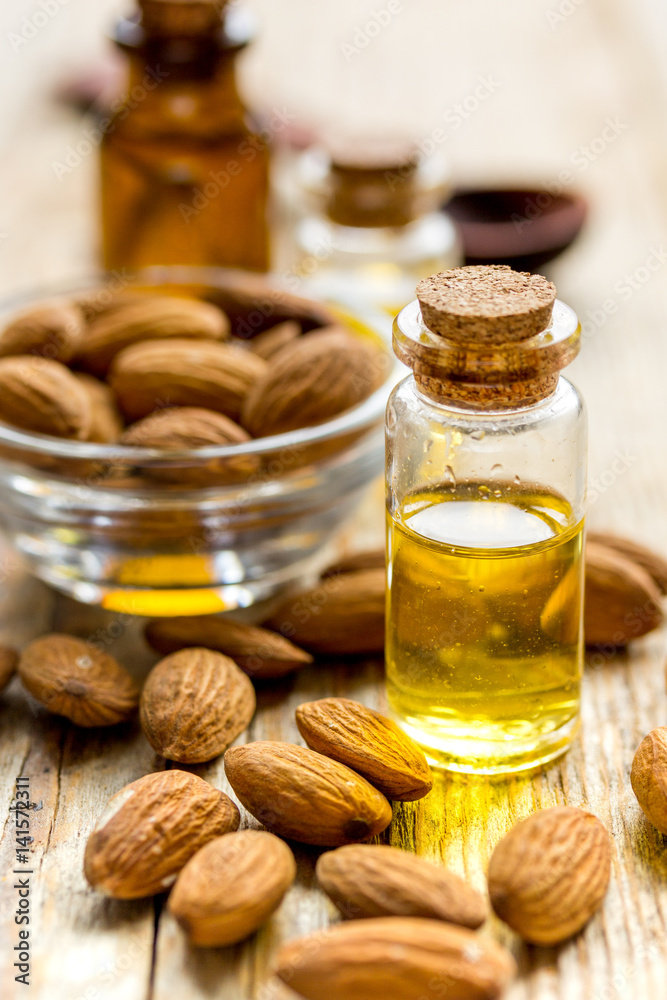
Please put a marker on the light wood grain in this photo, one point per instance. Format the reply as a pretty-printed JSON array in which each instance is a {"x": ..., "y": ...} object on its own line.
[{"x": 557, "y": 86}]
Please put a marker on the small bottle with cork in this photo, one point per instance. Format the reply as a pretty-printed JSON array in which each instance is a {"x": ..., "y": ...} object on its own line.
[
  {"x": 486, "y": 477},
  {"x": 184, "y": 171},
  {"x": 369, "y": 222}
]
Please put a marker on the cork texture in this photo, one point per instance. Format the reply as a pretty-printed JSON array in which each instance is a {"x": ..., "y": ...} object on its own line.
[
  {"x": 506, "y": 396},
  {"x": 486, "y": 304},
  {"x": 180, "y": 18}
]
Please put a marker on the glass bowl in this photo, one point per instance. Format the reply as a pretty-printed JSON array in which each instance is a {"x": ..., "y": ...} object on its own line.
[{"x": 151, "y": 533}]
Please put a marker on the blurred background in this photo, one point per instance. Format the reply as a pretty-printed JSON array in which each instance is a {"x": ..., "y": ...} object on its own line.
[{"x": 567, "y": 98}]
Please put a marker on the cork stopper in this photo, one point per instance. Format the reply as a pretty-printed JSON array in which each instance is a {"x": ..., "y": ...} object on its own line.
[
  {"x": 362, "y": 192},
  {"x": 486, "y": 304},
  {"x": 181, "y": 18},
  {"x": 486, "y": 337}
]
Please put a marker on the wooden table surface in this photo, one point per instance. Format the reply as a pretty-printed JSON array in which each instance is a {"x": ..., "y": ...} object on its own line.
[{"x": 575, "y": 85}]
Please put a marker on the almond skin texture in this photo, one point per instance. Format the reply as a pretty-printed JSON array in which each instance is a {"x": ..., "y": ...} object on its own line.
[
  {"x": 194, "y": 704},
  {"x": 154, "y": 374},
  {"x": 231, "y": 887},
  {"x": 75, "y": 679},
  {"x": 649, "y": 777},
  {"x": 303, "y": 796},
  {"x": 43, "y": 396},
  {"x": 262, "y": 654},
  {"x": 152, "y": 318},
  {"x": 343, "y": 614},
  {"x": 311, "y": 380},
  {"x": 654, "y": 564},
  {"x": 149, "y": 830},
  {"x": 52, "y": 330},
  {"x": 9, "y": 659},
  {"x": 374, "y": 880},
  {"x": 269, "y": 342},
  {"x": 184, "y": 428},
  {"x": 106, "y": 424},
  {"x": 395, "y": 958},
  {"x": 549, "y": 875},
  {"x": 369, "y": 743},
  {"x": 622, "y": 602}
]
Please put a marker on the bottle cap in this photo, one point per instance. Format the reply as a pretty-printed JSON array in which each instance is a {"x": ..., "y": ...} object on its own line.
[
  {"x": 486, "y": 304},
  {"x": 486, "y": 337},
  {"x": 181, "y": 18}
]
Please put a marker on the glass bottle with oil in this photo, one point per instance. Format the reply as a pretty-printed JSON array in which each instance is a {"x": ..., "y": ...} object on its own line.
[
  {"x": 367, "y": 223},
  {"x": 486, "y": 473},
  {"x": 184, "y": 173}
]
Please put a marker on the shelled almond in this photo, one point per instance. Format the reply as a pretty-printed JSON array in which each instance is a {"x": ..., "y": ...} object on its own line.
[
  {"x": 149, "y": 830},
  {"x": 138, "y": 353},
  {"x": 194, "y": 704},
  {"x": 261, "y": 653},
  {"x": 369, "y": 743},
  {"x": 649, "y": 777},
  {"x": 231, "y": 887},
  {"x": 549, "y": 874},
  {"x": 75, "y": 679},
  {"x": 375, "y": 880},
  {"x": 405, "y": 958},
  {"x": 303, "y": 796}
]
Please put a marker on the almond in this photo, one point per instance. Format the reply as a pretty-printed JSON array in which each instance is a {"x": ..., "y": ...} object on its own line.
[
  {"x": 549, "y": 875},
  {"x": 368, "y": 559},
  {"x": 303, "y": 796},
  {"x": 194, "y": 704},
  {"x": 311, "y": 380},
  {"x": 259, "y": 652},
  {"x": 9, "y": 659},
  {"x": 622, "y": 602},
  {"x": 342, "y": 614},
  {"x": 106, "y": 424},
  {"x": 189, "y": 428},
  {"x": 374, "y": 880},
  {"x": 160, "y": 373},
  {"x": 654, "y": 564},
  {"x": 231, "y": 887},
  {"x": 649, "y": 777},
  {"x": 44, "y": 397},
  {"x": 253, "y": 304},
  {"x": 402, "y": 958},
  {"x": 149, "y": 830},
  {"x": 184, "y": 428},
  {"x": 144, "y": 319},
  {"x": 75, "y": 679},
  {"x": 269, "y": 342},
  {"x": 51, "y": 330},
  {"x": 369, "y": 743}
]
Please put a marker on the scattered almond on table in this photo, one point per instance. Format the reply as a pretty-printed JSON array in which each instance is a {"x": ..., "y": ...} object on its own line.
[
  {"x": 150, "y": 828},
  {"x": 231, "y": 887},
  {"x": 549, "y": 874},
  {"x": 408, "y": 921}
]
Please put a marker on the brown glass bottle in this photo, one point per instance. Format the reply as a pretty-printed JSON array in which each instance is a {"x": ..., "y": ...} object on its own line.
[{"x": 184, "y": 173}]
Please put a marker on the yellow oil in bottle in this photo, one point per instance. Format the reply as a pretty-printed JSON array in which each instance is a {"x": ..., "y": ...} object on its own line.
[{"x": 484, "y": 648}]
